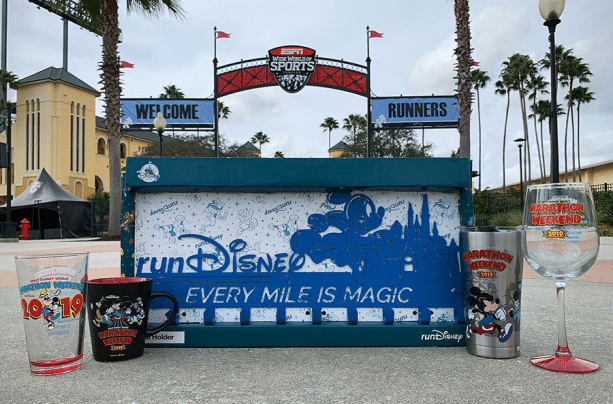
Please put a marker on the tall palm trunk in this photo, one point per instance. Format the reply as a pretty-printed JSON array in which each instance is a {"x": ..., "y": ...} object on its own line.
[
  {"x": 542, "y": 155},
  {"x": 566, "y": 146},
  {"x": 479, "y": 118},
  {"x": 464, "y": 82},
  {"x": 112, "y": 93},
  {"x": 578, "y": 148},
  {"x": 504, "y": 143},
  {"x": 572, "y": 124},
  {"x": 536, "y": 136},
  {"x": 569, "y": 115},
  {"x": 549, "y": 124},
  {"x": 527, "y": 164}
]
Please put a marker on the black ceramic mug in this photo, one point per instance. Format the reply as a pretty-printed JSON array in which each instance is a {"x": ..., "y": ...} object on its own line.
[{"x": 118, "y": 310}]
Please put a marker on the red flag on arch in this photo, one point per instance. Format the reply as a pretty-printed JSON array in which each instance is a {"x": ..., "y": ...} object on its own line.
[
  {"x": 221, "y": 34},
  {"x": 127, "y": 65},
  {"x": 374, "y": 34}
]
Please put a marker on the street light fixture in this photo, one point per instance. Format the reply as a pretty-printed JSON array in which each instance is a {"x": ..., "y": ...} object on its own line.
[
  {"x": 551, "y": 10},
  {"x": 520, "y": 142},
  {"x": 159, "y": 123}
]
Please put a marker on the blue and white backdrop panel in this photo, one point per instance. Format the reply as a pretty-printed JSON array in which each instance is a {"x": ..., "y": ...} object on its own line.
[{"x": 302, "y": 256}]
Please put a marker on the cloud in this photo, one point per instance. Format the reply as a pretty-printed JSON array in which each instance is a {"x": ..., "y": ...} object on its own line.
[
  {"x": 433, "y": 72},
  {"x": 281, "y": 143},
  {"x": 597, "y": 54},
  {"x": 254, "y": 106},
  {"x": 492, "y": 41},
  {"x": 596, "y": 146}
]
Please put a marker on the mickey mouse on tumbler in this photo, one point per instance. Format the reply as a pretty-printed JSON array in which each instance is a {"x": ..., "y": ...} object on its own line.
[{"x": 487, "y": 312}]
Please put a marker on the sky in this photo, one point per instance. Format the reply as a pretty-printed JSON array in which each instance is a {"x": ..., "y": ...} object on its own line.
[{"x": 414, "y": 58}]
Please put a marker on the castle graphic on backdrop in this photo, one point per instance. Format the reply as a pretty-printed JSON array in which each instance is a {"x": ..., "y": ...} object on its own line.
[{"x": 356, "y": 241}]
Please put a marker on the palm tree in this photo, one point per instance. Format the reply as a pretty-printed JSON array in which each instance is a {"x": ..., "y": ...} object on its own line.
[
  {"x": 545, "y": 63},
  {"x": 543, "y": 112},
  {"x": 279, "y": 154},
  {"x": 572, "y": 68},
  {"x": 581, "y": 95},
  {"x": 537, "y": 84},
  {"x": 353, "y": 124},
  {"x": 520, "y": 67},
  {"x": 106, "y": 13},
  {"x": 260, "y": 138},
  {"x": 223, "y": 111},
  {"x": 329, "y": 124},
  {"x": 536, "y": 117},
  {"x": 561, "y": 54},
  {"x": 480, "y": 80},
  {"x": 463, "y": 57},
  {"x": 503, "y": 87},
  {"x": 172, "y": 92},
  {"x": 6, "y": 79}
]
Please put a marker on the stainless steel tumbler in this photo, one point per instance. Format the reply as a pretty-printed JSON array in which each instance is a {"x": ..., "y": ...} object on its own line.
[{"x": 491, "y": 261}]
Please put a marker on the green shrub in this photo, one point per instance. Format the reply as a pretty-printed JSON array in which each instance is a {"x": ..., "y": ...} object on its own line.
[
  {"x": 492, "y": 209},
  {"x": 100, "y": 195},
  {"x": 604, "y": 207},
  {"x": 605, "y": 230},
  {"x": 506, "y": 219}
]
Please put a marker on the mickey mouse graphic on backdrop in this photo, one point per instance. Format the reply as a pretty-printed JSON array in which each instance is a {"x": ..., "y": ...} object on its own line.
[{"x": 358, "y": 244}]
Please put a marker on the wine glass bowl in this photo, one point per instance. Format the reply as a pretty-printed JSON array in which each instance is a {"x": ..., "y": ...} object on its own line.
[
  {"x": 560, "y": 241},
  {"x": 561, "y": 261}
]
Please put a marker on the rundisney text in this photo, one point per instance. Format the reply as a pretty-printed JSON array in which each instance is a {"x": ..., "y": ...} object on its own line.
[{"x": 195, "y": 263}]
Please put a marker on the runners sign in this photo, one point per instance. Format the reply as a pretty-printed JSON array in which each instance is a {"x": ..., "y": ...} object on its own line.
[
  {"x": 411, "y": 112},
  {"x": 291, "y": 66}
]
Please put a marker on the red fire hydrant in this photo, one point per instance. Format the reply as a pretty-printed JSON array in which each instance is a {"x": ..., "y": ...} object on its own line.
[{"x": 25, "y": 229}]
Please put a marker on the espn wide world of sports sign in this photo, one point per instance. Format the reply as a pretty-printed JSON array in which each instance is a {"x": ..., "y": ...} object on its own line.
[{"x": 292, "y": 67}]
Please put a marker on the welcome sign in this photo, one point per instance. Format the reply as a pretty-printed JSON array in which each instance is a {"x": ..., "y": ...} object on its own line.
[{"x": 192, "y": 113}]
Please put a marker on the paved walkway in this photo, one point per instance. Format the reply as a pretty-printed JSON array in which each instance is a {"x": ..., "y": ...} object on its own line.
[
  {"x": 104, "y": 257},
  {"x": 323, "y": 375}
]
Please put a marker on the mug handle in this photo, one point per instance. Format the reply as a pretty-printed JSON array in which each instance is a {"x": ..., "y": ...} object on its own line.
[{"x": 175, "y": 310}]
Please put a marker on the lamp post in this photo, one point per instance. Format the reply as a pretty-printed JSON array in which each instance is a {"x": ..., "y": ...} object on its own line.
[
  {"x": 8, "y": 227},
  {"x": 551, "y": 10},
  {"x": 520, "y": 142},
  {"x": 159, "y": 123}
]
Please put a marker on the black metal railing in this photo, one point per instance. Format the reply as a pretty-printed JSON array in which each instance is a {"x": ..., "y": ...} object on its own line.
[
  {"x": 602, "y": 188},
  {"x": 486, "y": 205}
]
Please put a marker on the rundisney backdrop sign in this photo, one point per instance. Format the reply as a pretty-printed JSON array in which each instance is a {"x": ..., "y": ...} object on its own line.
[{"x": 385, "y": 254}]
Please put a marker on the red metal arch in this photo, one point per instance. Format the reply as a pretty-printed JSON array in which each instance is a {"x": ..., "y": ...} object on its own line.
[{"x": 329, "y": 73}]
